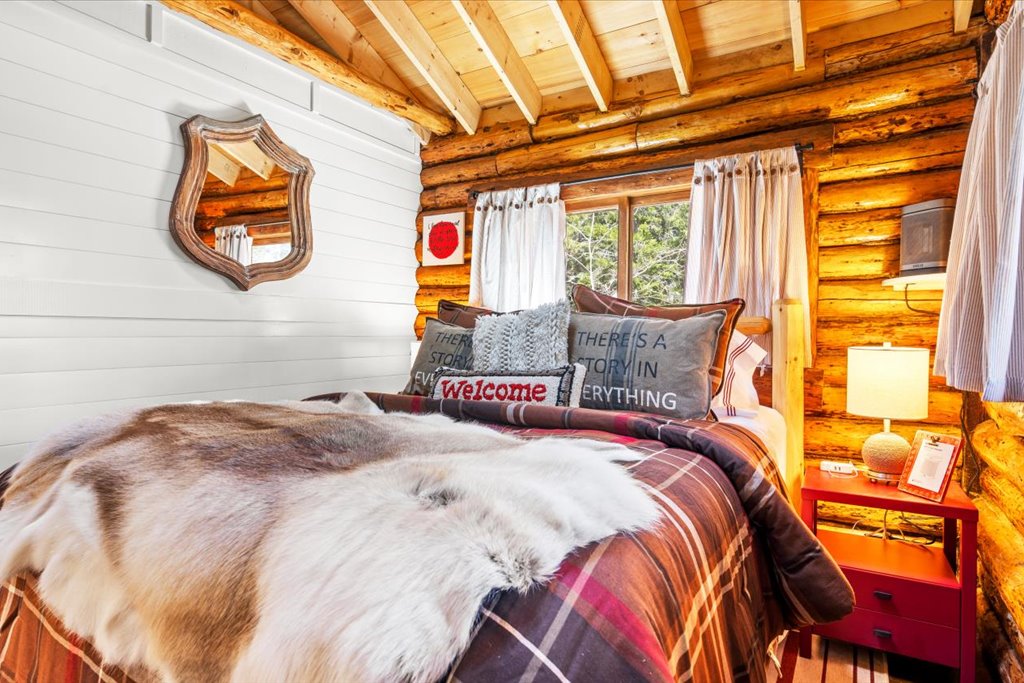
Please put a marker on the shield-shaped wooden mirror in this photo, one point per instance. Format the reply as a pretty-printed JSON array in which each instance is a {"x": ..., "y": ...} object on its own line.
[{"x": 242, "y": 204}]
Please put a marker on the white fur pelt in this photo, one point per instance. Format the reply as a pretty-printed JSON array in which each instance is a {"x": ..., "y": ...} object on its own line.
[{"x": 304, "y": 542}]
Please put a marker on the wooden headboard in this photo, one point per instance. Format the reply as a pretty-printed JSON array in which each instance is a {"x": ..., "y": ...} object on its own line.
[{"x": 787, "y": 329}]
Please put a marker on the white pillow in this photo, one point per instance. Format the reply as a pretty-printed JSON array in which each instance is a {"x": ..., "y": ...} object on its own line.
[{"x": 738, "y": 396}]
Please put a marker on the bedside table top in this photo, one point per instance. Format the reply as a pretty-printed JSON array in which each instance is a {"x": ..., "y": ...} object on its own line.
[{"x": 859, "y": 490}]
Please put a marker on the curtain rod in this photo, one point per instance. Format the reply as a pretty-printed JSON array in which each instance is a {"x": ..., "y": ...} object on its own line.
[{"x": 800, "y": 149}]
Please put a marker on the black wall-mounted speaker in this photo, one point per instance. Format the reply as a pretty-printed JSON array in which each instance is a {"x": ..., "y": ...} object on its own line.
[{"x": 924, "y": 236}]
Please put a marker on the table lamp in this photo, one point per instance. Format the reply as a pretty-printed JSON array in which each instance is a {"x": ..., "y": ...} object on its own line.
[{"x": 888, "y": 382}]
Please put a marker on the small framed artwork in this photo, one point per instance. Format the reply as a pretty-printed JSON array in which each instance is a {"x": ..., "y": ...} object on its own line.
[
  {"x": 444, "y": 239},
  {"x": 930, "y": 465}
]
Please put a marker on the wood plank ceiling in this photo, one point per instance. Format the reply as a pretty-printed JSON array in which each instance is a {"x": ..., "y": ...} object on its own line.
[{"x": 457, "y": 65}]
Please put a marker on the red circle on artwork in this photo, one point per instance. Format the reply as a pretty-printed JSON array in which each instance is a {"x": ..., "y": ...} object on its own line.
[{"x": 443, "y": 240}]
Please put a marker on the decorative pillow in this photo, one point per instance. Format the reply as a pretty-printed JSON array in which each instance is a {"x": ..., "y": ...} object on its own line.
[
  {"x": 646, "y": 364},
  {"x": 589, "y": 301},
  {"x": 460, "y": 314},
  {"x": 523, "y": 341},
  {"x": 557, "y": 387},
  {"x": 738, "y": 395},
  {"x": 443, "y": 345}
]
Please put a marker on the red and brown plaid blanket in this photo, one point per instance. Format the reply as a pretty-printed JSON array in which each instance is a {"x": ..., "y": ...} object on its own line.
[{"x": 701, "y": 598}]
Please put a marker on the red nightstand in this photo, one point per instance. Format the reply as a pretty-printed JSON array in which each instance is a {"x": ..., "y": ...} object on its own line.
[{"x": 909, "y": 598}]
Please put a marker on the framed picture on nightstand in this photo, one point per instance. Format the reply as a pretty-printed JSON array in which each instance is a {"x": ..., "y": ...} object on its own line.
[{"x": 930, "y": 465}]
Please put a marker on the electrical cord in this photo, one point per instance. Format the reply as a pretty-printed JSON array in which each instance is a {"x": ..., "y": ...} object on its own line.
[
  {"x": 906, "y": 301},
  {"x": 898, "y": 534}
]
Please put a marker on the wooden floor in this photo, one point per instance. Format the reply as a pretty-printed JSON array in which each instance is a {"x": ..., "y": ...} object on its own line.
[{"x": 832, "y": 661}]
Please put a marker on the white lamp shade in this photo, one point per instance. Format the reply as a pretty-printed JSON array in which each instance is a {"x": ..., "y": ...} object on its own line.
[{"x": 888, "y": 382}]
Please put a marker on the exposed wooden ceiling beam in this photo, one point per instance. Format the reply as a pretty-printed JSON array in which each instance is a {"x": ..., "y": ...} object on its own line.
[
  {"x": 798, "y": 34},
  {"x": 962, "y": 14},
  {"x": 410, "y": 35},
  {"x": 259, "y": 8},
  {"x": 237, "y": 21},
  {"x": 247, "y": 154},
  {"x": 221, "y": 167},
  {"x": 583, "y": 45},
  {"x": 502, "y": 54},
  {"x": 342, "y": 36},
  {"x": 674, "y": 35}
]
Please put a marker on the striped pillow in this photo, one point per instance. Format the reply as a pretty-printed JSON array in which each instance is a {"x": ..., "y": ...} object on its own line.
[{"x": 739, "y": 396}]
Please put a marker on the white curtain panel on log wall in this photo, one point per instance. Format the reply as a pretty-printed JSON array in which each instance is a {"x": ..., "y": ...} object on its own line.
[
  {"x": 981, "y": 328},
  {"x": 518, "y": 248},
  {"x": 747, "y": 234}
]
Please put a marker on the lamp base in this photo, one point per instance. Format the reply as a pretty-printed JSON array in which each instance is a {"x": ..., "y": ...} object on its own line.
[{"x": 885, "y": 454}]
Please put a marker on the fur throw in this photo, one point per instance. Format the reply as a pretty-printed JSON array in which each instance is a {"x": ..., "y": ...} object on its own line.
[{"x": 305, "y": 542}]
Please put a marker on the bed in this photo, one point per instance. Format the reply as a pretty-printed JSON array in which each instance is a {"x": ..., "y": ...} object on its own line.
[{"x": 703, "y": 598}]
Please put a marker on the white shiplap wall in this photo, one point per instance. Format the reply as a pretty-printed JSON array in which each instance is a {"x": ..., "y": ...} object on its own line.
[{"x": 99, "y": 310}]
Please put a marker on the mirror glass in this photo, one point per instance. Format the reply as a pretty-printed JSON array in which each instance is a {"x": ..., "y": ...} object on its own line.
[
  {"x": 243, "y": 209},
  {"x": 242, "y": 205}
]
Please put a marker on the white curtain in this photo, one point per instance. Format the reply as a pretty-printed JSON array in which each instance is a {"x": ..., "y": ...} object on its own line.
[
  {"x": 747, "y": 234},
  {"x": 981, "y": 328},
  {"x": 234, "y": 242},
  {"x": 518, "y": 248}
]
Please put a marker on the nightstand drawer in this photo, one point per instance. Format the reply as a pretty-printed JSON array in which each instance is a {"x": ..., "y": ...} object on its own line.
[
  {"x": 906, "y": 598},
  {"x": 908, "y": 637}
]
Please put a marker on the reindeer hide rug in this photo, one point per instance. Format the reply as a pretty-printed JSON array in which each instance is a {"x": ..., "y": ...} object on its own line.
[{"x": 308, "y": 542}]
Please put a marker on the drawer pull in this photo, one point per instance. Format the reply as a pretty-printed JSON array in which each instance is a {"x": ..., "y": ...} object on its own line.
[
  {"x": 882, "y": 595},
  {"x": 882, "y": 633}
]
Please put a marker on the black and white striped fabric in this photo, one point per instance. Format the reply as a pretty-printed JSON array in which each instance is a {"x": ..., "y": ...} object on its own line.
[{"x": 981, "y": 328}]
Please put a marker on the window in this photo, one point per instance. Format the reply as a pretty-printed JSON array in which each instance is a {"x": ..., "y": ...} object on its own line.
[{"x": 645, "y": 262}]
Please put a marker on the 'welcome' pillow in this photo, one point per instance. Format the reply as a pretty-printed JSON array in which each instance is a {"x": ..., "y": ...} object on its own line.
[
  {"x": 646, "y": 364},
  {"x": 556, "y": 387},
  {"x": 443, "y": 345}
]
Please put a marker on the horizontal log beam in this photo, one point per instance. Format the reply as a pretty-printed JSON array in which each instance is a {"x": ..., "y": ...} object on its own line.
[
  {"x": 958, "y": 111},
  {"x": 841, "y": 438},
  {"x": 457, "y": 194},
  {"x": 863, "y": 291},
  {"x": 646, "y": 107},
  {"x": 840, "y": 333},
  {"x": 898, "y": 47},
  {"x": 894, "y": 191},
  {"x": 933, "y": 150},
  {"x": 246, "y": 185},
  {"x": 859, "y": 227},
  {"x": 868, "y": 261},
  {"x": 232, "y": 205},
  {"x": 834, "y": 100},
  {"x": 237, "y": 21},
  {"x": 261, "y": 218}
]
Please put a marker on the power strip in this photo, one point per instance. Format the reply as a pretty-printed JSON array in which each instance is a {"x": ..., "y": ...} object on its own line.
[{"x": 837, "y": 467}]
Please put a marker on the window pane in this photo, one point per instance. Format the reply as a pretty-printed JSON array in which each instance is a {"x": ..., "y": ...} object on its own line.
[
  {"x": 592, "y": 249},
  {"x": 659, "y": 253}
]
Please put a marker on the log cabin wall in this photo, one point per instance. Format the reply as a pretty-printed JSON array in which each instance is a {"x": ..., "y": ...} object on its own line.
[{"x": 888, "y": 115}]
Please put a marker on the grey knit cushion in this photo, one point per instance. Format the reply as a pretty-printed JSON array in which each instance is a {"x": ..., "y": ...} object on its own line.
[
  {"x": 646, "y": 364},
  {"x": 534, "y": 339}
]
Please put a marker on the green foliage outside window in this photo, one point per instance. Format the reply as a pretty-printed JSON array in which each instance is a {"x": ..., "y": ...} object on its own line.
[
  {"x": 592, "y": 250},
  {"x": 659, "y": 251},
  {"x": 660, "y": 233}
]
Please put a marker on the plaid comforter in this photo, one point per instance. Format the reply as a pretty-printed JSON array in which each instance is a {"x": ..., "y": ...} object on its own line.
[{"x": 700, "y": 598}]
